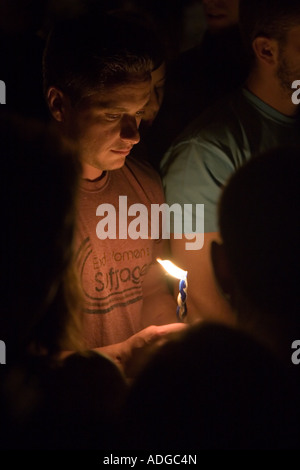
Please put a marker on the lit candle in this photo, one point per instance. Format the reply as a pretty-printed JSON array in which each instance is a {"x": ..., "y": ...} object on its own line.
[{"x": 180, "y": 274}]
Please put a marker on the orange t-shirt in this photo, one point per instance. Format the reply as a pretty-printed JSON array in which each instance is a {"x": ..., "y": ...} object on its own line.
[{"x": 112, "y": 271}]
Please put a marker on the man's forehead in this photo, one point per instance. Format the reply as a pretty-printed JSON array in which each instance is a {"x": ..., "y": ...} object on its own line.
[{"x": 122, "y": 96}]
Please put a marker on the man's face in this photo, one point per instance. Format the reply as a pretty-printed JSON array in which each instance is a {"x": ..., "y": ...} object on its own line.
[
  {"x": 105, "y": 125},
  {"x": 288, "y": 68},
  {"x": 220, "y": 14}
]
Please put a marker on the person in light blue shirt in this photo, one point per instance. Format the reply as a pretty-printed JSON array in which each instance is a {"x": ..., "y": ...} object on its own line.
[
  {"x": 256, "y": 118},
  {"x": 217, "y": 144}
]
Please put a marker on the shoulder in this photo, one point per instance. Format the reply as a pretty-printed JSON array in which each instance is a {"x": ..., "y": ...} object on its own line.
[
  {"x": 219, "y": 132},
  {"x": 223, "y": 118}
]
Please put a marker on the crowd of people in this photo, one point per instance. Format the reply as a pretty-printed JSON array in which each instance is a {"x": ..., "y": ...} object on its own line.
[{"x": 96, "y": 357}]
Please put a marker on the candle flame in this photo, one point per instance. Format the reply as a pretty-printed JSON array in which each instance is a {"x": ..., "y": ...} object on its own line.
[{"x": 172, "y": 269}]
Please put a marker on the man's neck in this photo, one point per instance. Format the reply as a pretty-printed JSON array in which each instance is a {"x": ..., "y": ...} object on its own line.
[
  {"x": 90, "y": 173},
  {"x": 271, "y": 93}
]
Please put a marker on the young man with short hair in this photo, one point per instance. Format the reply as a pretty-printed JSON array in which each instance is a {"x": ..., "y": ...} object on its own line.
[{"x": 97, "y": 84}]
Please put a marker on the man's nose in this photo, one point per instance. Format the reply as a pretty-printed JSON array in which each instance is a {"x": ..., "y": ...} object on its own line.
[{"x": 129, "y": 130}]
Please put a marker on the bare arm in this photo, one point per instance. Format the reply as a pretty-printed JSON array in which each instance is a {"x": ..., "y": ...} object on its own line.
[{"x": 195, "y": 170}]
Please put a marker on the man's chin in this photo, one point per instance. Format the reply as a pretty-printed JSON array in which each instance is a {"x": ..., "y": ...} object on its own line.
[{"x": 117, "y": 163}]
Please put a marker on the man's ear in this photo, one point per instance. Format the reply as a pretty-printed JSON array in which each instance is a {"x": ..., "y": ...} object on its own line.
[
  {"x": 57, "y": 103},
  {"x": 266, "y": 50},
  {"x": 222, "y": 270}
]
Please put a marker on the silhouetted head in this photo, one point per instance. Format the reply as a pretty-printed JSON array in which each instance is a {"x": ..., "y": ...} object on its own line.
[
  {"x": 257, "y": 262},
  {"x": 213, "y": 388},
  {"x": 38, "y": 193}
]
